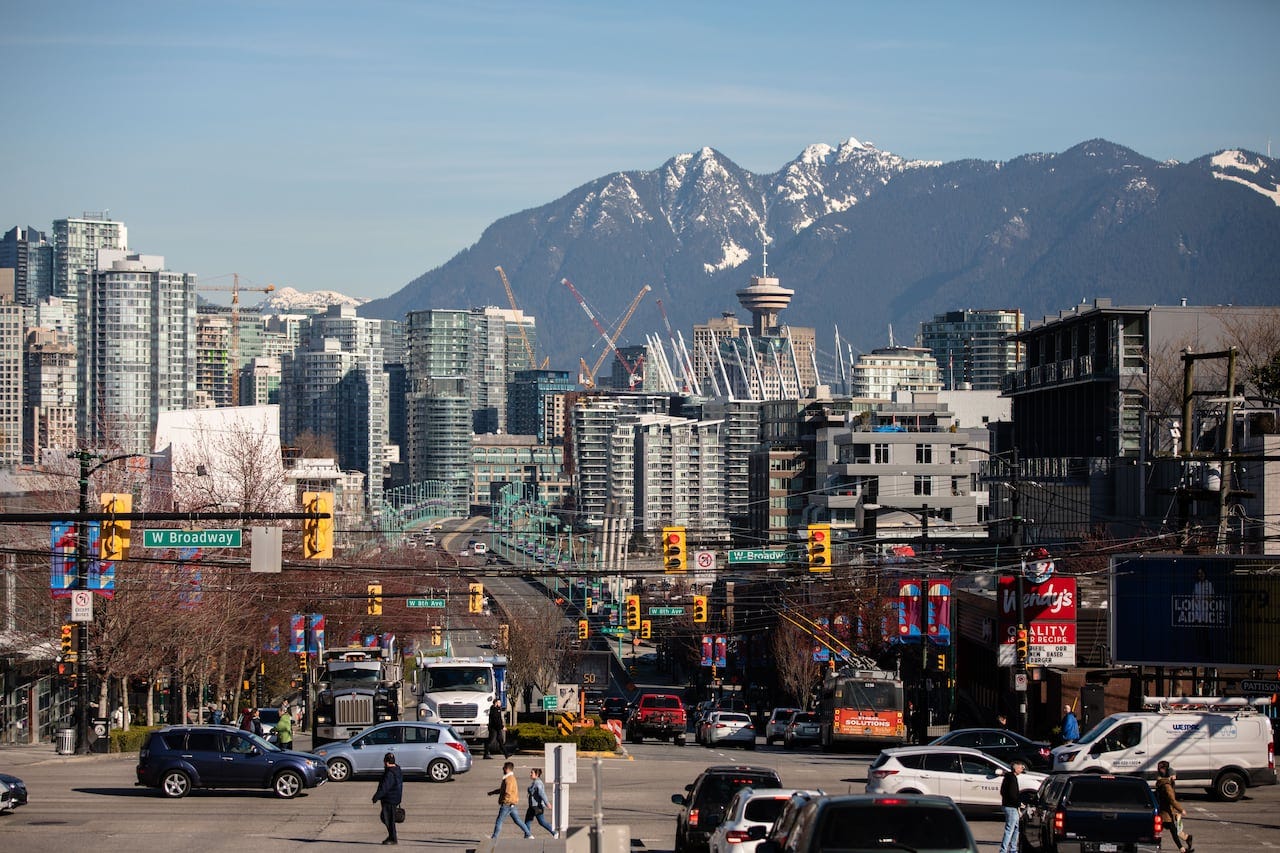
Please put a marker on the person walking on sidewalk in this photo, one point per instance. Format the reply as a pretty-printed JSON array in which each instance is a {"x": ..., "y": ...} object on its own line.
[
  {"x": 497, "y": 739},
  {"x": 1070, "y": 725},
  {"x": 1171, "y": 811},
  {"x": 284, "y": 729},
  {"x": 390, "y": 792},
  {"x": 538, "y": 803},
  {"x": 1011, "y": 800},
  {"x": 508, "y": 794}
]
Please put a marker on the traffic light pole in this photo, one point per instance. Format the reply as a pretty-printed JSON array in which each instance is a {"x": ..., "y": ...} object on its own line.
[{"x": 1020, "y": 664}]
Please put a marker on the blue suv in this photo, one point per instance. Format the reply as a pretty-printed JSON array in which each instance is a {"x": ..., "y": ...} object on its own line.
[{"x": 176, "y": 759}]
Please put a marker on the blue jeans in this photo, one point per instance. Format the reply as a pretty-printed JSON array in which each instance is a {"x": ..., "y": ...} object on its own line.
[
  {"x": 1009, "y": 843},
  {"x": 510, "y": 809}
]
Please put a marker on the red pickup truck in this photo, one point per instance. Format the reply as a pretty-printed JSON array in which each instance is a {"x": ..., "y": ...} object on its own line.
[{"x": 658, "y": 715}]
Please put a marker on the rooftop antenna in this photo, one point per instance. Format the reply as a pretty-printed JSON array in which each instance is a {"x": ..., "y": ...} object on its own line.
[
  {"x": 890, "y": 336},
  {"x": 764, "y": 255}
]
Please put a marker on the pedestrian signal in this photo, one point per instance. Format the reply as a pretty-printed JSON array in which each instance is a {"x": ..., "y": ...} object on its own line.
[
  {"x": 584, "y": 629},
  {"x": 317, "y": 532},
  {"x": 633, "y": 613},
  {"x": 819, "y": 541},
  {"x": 674, "y": 552},
  {"x": 113, "y": 540},
  {"x": 374, "y": 607},
  {"x": 699, "y": 608},
  {"x": 475, "y": 602}
]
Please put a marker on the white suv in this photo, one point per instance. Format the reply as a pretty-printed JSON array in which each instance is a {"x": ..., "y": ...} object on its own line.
[{"x": 969, "y": 777}]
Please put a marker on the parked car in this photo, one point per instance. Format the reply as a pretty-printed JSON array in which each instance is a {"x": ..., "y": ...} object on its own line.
[
  {"x": 431, "y": 750},
  {"x": 704, "y": 801},
  {"x": 728, "y": 728},
  {"x": 969, "y": 777},
  {"x": 13, "y": 792},
  {"x": 750, "y": 808},
  {"x": 776, "y": 726},
  {"x": 1003, "y": 744},
  {"x": 176, "y": 759},
  {"x": 805, "y": 729},
  {"x": 863, "y": 822},
  {"x": 1091, "y": 811}
]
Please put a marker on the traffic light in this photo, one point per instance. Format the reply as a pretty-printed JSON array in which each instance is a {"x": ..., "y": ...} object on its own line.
[
  {"x": 374, "y": 607},
  {"x": 699, "y": 608},
  {"x": 819, "y": 539},
  {"x": 674, "y": 556},
  {"x": 475, "y": 602},
  {"x": 646, "y": 629},
  {"x": 633, "y": 613},
  {"x": 1020, "y": 648},
  {"x": 302, "y": 661},
  {"x": 584, "y": 629},
  {"x": 317, "y": 533},
  {"x": 586, "y": 605},
  {"x": 941, "y": 661},
  {"x": 113, "y": 540},
  {"x": 437, "y": 635},
  {"x": 68, "y": 639}
]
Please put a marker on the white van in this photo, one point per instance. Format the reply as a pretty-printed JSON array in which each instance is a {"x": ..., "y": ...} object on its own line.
[{"x": 1225, "y": 743}]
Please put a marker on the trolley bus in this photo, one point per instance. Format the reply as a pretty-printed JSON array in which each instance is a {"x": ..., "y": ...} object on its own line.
[{"x": 862, "y": 707}]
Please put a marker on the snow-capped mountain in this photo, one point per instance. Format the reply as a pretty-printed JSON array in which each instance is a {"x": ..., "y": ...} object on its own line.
[
  {"x": 288, "y": 300},
  {"x": 867, "y": 238}
]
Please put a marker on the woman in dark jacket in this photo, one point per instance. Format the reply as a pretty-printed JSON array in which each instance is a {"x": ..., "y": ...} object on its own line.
[{"x": 1171, "y": 811}]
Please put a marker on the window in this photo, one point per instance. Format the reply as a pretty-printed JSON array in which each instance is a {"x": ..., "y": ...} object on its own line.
[
  {"x": 880, "y": 454},
  {"x": 923, "y": 485},
  {"x": 924, "y": 454}
]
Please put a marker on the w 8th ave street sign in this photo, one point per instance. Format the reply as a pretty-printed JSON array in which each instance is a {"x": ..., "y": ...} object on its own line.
[{"x": 191, "y": 538}]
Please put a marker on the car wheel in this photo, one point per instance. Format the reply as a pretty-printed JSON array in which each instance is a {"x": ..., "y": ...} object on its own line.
[
  {"x": 1229, "y": 786},
  {"x": 681, "y": 740},
  {"x": 635, "y": 737},
  {"x": 288, "y": 784},
  {"x": 439, "y": 770},
  {"x": 175, "y": 784},
  {"x": 339, "y": 770},
  {"x": 751, "y": 745}
]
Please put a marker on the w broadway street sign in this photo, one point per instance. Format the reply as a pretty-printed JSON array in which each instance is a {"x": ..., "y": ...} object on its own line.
[
  {"x": 758, "y": 555},
  {"x": 191, "y": 538}
]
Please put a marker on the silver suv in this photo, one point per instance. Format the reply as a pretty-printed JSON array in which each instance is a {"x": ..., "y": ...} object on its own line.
[{"x": 432, "y": 750}]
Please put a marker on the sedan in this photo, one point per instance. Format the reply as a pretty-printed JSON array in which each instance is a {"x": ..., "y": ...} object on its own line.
[
  {"x": 750, "y": 808},
  {"x": 728, "y": 728},
  {"x": 969, "y": 777},
  {"x": 776, "y": 727},
  {"x": 431, "y": 750},
  {"x": 804, "y": 730},
  {"x": 13, "y": 792},
  {"x": 1003, "y": 744}
]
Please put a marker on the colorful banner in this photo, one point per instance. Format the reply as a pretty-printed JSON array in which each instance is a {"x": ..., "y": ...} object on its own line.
[
  {"x": 722, "y": 649},
  {"x": 315, "y": 626},
  {"x": 821, "y": 653},
  {"x": 707, "y": 650},
  {"x": 62, "y": 562},
  {"x": 190, "y": 596},
  {"x": 297, "y": 633},
  {"x": 842, "y": 626},
  {"x": 939, "y": 612},
  {"x": 102, "y": 573},
  {"x": 908, "y": 604},
  {"x": 272, "y": 646}
]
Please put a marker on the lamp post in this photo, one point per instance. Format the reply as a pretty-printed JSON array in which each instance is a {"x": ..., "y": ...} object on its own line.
[{"x": 87, "y": 470}]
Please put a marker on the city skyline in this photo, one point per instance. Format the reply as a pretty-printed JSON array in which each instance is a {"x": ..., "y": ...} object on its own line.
[{"x": 257, "y": 139}]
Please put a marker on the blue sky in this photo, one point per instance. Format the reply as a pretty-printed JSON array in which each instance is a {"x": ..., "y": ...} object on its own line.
[{"x": 353, "y": 146}]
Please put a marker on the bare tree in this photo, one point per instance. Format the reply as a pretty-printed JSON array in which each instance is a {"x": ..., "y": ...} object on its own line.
[
  {"x": 536, "y": 648},
  {"x": 798, "y": 672}
]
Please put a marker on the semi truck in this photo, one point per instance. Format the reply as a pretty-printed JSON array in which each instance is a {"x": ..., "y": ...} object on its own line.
[
  {"x": 356, "y": 687},
  {"x": 459, "y": 691}
]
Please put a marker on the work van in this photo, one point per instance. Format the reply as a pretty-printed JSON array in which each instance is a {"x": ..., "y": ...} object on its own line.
[{"x": 1226, "y": 744}]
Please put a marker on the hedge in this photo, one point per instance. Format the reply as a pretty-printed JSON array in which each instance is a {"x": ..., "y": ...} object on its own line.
[
  {"x": 130, "y": 740},
  {"x": 533, "y": 736}
]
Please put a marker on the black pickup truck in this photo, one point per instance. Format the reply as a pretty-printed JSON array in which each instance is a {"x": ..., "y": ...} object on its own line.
[{"x": 1075, "y": 812}]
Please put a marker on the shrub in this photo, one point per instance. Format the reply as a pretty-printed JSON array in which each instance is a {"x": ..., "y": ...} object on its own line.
[
  {"x": 131, "y": 740},
  {"x": 534, "y": 736}
]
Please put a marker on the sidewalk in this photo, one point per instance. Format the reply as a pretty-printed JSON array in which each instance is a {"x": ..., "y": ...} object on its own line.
[{"x": 27, "y": 754}]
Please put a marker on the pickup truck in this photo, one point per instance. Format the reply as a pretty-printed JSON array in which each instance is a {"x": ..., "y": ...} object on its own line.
[
  {"x": 1074, "y": 812},
  {"x": 658, "y": 715}
]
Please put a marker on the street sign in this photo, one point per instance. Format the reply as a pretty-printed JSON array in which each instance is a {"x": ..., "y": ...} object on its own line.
[
  {"x": 191, "y": 538},
  {"x": 1020, "y": 682},
  {"x": 424, "y": 602},
  {"x": 1259, "y": 686},
  {"x": 548, "y": 703},
  {"x": 666, "y": 611},
  {"x": 758, "y": 555},
  {"x": 613, "y": 630},
  {"x": 82, "y": 606},
  {"x": 705, "y": 560}
]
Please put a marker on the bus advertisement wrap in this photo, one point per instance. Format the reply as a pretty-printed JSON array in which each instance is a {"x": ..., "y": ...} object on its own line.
[{"x": 1195, "y": 611}]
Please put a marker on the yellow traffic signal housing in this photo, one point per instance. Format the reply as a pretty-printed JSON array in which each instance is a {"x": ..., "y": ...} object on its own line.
[
  {"x": 819, "y": 541},
  {"x": 317, "y": 533},
  {"x": 1020, "y": 648},
  {"x": 113, "y": 540},
  {"x": 375, "y": 600},
  {"x": 646, "y": 629},
  {"x": 475, "y": 602},
  {"x": 674, "y": 552},
  {"x": 302, "y": 661},
  {"x": 942, "y": 661},
  {"x": 584, "y": 629},
  {"x": 68, "y": 639},
  {"x": 699, "y": 608},
  {"x": 437, "y": 635},
  {"x": 633, "y": 613},
  {"x": 586, "y": 605}
]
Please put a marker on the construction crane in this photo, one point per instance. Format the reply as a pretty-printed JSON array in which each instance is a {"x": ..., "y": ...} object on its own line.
[
  {"x": 617, "y": 332},
  {"x": 234, "y": 359},
  {"x": 511, "y": 297},
  {"x": 610, "y": 345}
]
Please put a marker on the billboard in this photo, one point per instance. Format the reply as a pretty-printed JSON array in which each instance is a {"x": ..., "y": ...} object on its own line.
[
  {"x": 1195, "y": 611},
  {"x": 1049, "y": 608}
]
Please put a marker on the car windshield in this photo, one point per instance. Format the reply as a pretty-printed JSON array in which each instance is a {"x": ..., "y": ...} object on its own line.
[
  {"x": 1095, "y": 732},
  {"x": 873, "y": 825},
  {"x": 764, "y": 809},
  {"x": 261, "y": 742},
  {"x": 347, "y": 679},
  {"x": 474, "y": 679}
]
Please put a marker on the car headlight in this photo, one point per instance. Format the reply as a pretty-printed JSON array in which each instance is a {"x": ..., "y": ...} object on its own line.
[
  {"x": 321, "y": 751},
  {"x": 1067, "y": 756},
  {"x": 321, "y": 719}
]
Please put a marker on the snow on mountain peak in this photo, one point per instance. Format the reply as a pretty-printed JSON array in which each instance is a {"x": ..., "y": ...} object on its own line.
[{"x": 288, "y": 300}]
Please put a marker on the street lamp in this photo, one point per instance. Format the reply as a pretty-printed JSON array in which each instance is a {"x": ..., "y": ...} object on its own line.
[{"x": 87, "y": 470}]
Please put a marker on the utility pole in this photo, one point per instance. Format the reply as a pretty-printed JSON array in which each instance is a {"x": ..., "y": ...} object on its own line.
[{"x": 1020, "y": 671}]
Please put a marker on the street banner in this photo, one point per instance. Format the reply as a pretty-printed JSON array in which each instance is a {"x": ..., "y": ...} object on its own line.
[
  {"x": 722, "y": 647},
  {"x": 908, "y": 606},
  {"x": 190, "y": 595},
  {"x": 102, "y": 573},
  {"x": 315, "y": 626},
  {"x": 940, "y": 612},
  {"x": 821, "y": 654},
  {"x": 297, "y": 633},
  {"x": 708, "y": 652},
  {"x": 272, "y": 646},
  {"x": 62, "y": 562}
]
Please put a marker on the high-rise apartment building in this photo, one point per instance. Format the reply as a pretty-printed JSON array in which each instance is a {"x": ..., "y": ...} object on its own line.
[
  {"x": 536, "y": 404},
  {"x": 137, "y": 347},
  {"x": 883, "y": 371},
  {"x": 213, "y": 360},
  {"x": 76, "y": 243},
  {"x": 29, "y": 254},
  {"x": 49, "y": 409},
  {"x": 676, "y": 473},
  {"x": 11, "y": 376},
  {"x": 974, "y": 349},
  {"x": 260, "y": 382},
  {"x": 593, "y": 440}
]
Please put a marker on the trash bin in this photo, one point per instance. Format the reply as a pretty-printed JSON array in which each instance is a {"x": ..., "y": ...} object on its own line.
[
  {"x": 66, "y": 741},
  {"x": 99, "y": 740}
]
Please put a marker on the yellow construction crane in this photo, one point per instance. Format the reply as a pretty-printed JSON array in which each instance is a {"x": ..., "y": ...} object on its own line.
[
  {"x": 511, "y": 297},
  {"x": 234, "y": 359}
]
